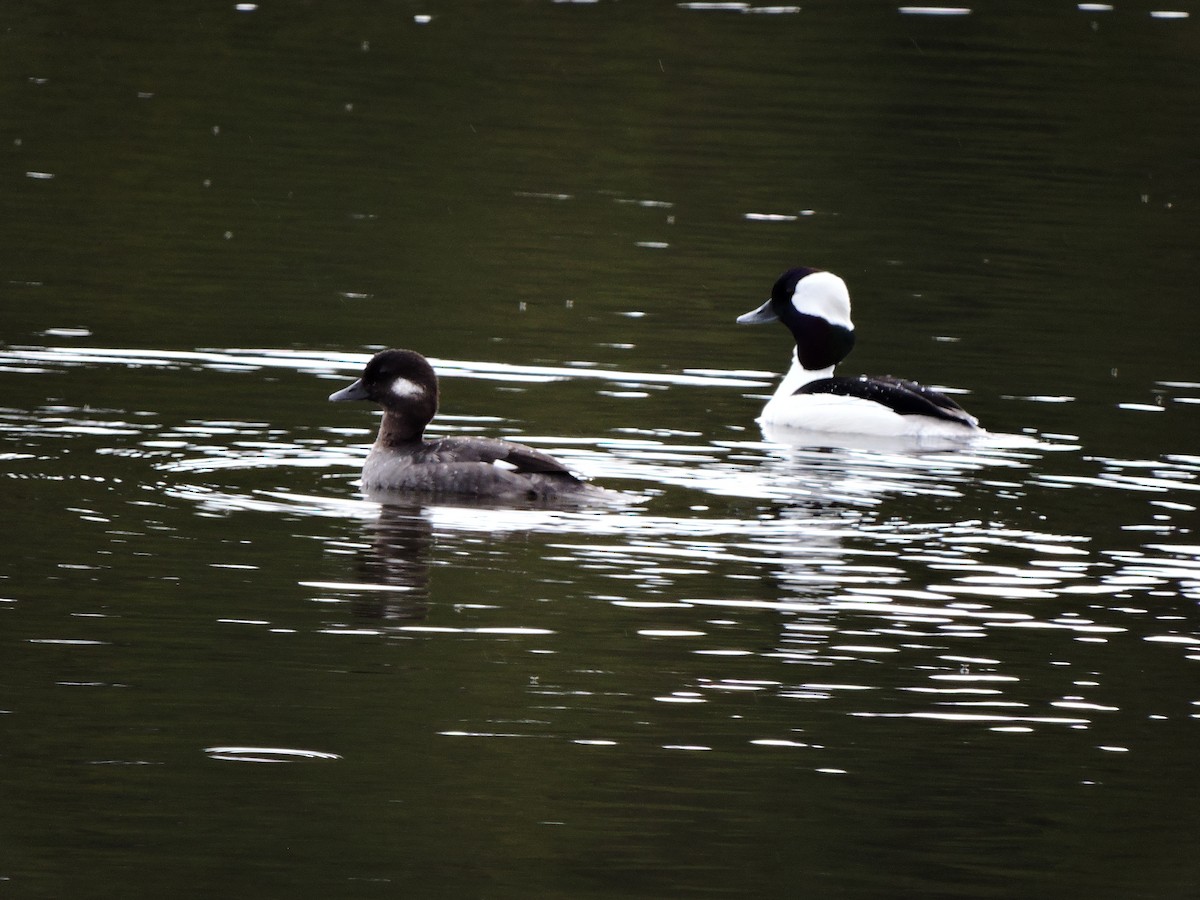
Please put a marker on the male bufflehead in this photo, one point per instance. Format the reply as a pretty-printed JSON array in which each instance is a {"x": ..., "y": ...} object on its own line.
[
  {"x": 405, "y": 385},
  {"x": 815, "y": 306}
]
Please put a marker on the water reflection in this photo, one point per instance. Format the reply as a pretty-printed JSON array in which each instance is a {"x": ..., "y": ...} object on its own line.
[
  {"x": 880, "y": 560},
  {"x": 267, "y": 754},
  {"x": 392, "y": 565}
]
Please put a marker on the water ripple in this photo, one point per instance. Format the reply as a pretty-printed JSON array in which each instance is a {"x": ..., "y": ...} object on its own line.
[
  {"x": 752, "y": 558},
  {"x": 266, "y": 754}
]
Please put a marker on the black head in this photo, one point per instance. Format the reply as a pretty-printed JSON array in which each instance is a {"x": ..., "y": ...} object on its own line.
[
  {"x": 785, "y": 288},
  {"x": 815, "y": 306},
  {"x": 404, "y": 384}
]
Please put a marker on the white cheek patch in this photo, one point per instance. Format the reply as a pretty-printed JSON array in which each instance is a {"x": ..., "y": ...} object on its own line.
[
  {"x": 823, "y": 294},
  {"x": 407, "y": 390}
]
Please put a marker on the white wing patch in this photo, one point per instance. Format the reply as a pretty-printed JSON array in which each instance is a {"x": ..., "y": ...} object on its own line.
[
  {"x": 409, "y": 390},
  {"x": 504, "y": 464}
]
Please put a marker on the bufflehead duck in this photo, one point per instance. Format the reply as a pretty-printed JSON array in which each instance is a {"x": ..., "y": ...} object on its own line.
[
  {"x": 405, "y": 385},
  {"x": 815, "y": 306}
]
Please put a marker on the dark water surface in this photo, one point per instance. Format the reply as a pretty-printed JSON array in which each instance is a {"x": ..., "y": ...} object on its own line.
[{"x": 779, "y": 669}]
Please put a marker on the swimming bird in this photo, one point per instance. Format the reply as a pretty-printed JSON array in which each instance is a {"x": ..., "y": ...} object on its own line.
[
  {"x": 405, "y": 385},
  {"x": 815, "y": 307}
]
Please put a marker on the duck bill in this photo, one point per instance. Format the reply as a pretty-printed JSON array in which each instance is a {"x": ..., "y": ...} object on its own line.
[
  {"x": 355, "y": 391},
  {"x": 758, "y": 316}
]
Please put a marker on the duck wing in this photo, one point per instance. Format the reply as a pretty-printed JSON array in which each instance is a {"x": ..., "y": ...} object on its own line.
[{"x": 521, "y": 459}]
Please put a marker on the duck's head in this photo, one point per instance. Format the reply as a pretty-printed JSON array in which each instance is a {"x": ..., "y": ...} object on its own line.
[
  {"x": 815, "y": 306},
  {"x": 404, "y": 384}
]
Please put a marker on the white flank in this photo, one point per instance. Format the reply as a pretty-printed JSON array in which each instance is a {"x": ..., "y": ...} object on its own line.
[
  {"x": 831, "y": 413},
  {"x": 834, "y": 413}
]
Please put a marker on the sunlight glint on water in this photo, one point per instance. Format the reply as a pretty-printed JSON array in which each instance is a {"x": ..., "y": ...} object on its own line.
[{"x": 850, "y": 586}]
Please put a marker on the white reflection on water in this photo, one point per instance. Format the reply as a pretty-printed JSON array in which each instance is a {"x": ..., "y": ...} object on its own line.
[
  {"x": 930, "y": 563},
  {"x": 935, "y": 10},
  {"x": 328, "y": 363},
  {"x": 266, "y": 754},
  {"x": 1176, "y": 472},
  {"x": 738, "y": 7}
]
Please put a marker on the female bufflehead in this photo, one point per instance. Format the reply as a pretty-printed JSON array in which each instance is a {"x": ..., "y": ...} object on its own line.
[
  {"x": 815, "y": 306},
  {"x": 405, "y": 385}
]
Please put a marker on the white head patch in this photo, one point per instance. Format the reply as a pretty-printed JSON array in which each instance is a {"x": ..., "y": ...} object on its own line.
[
  {"x": 407, "y": 390},
  {"x": 823, "y": 294}
]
